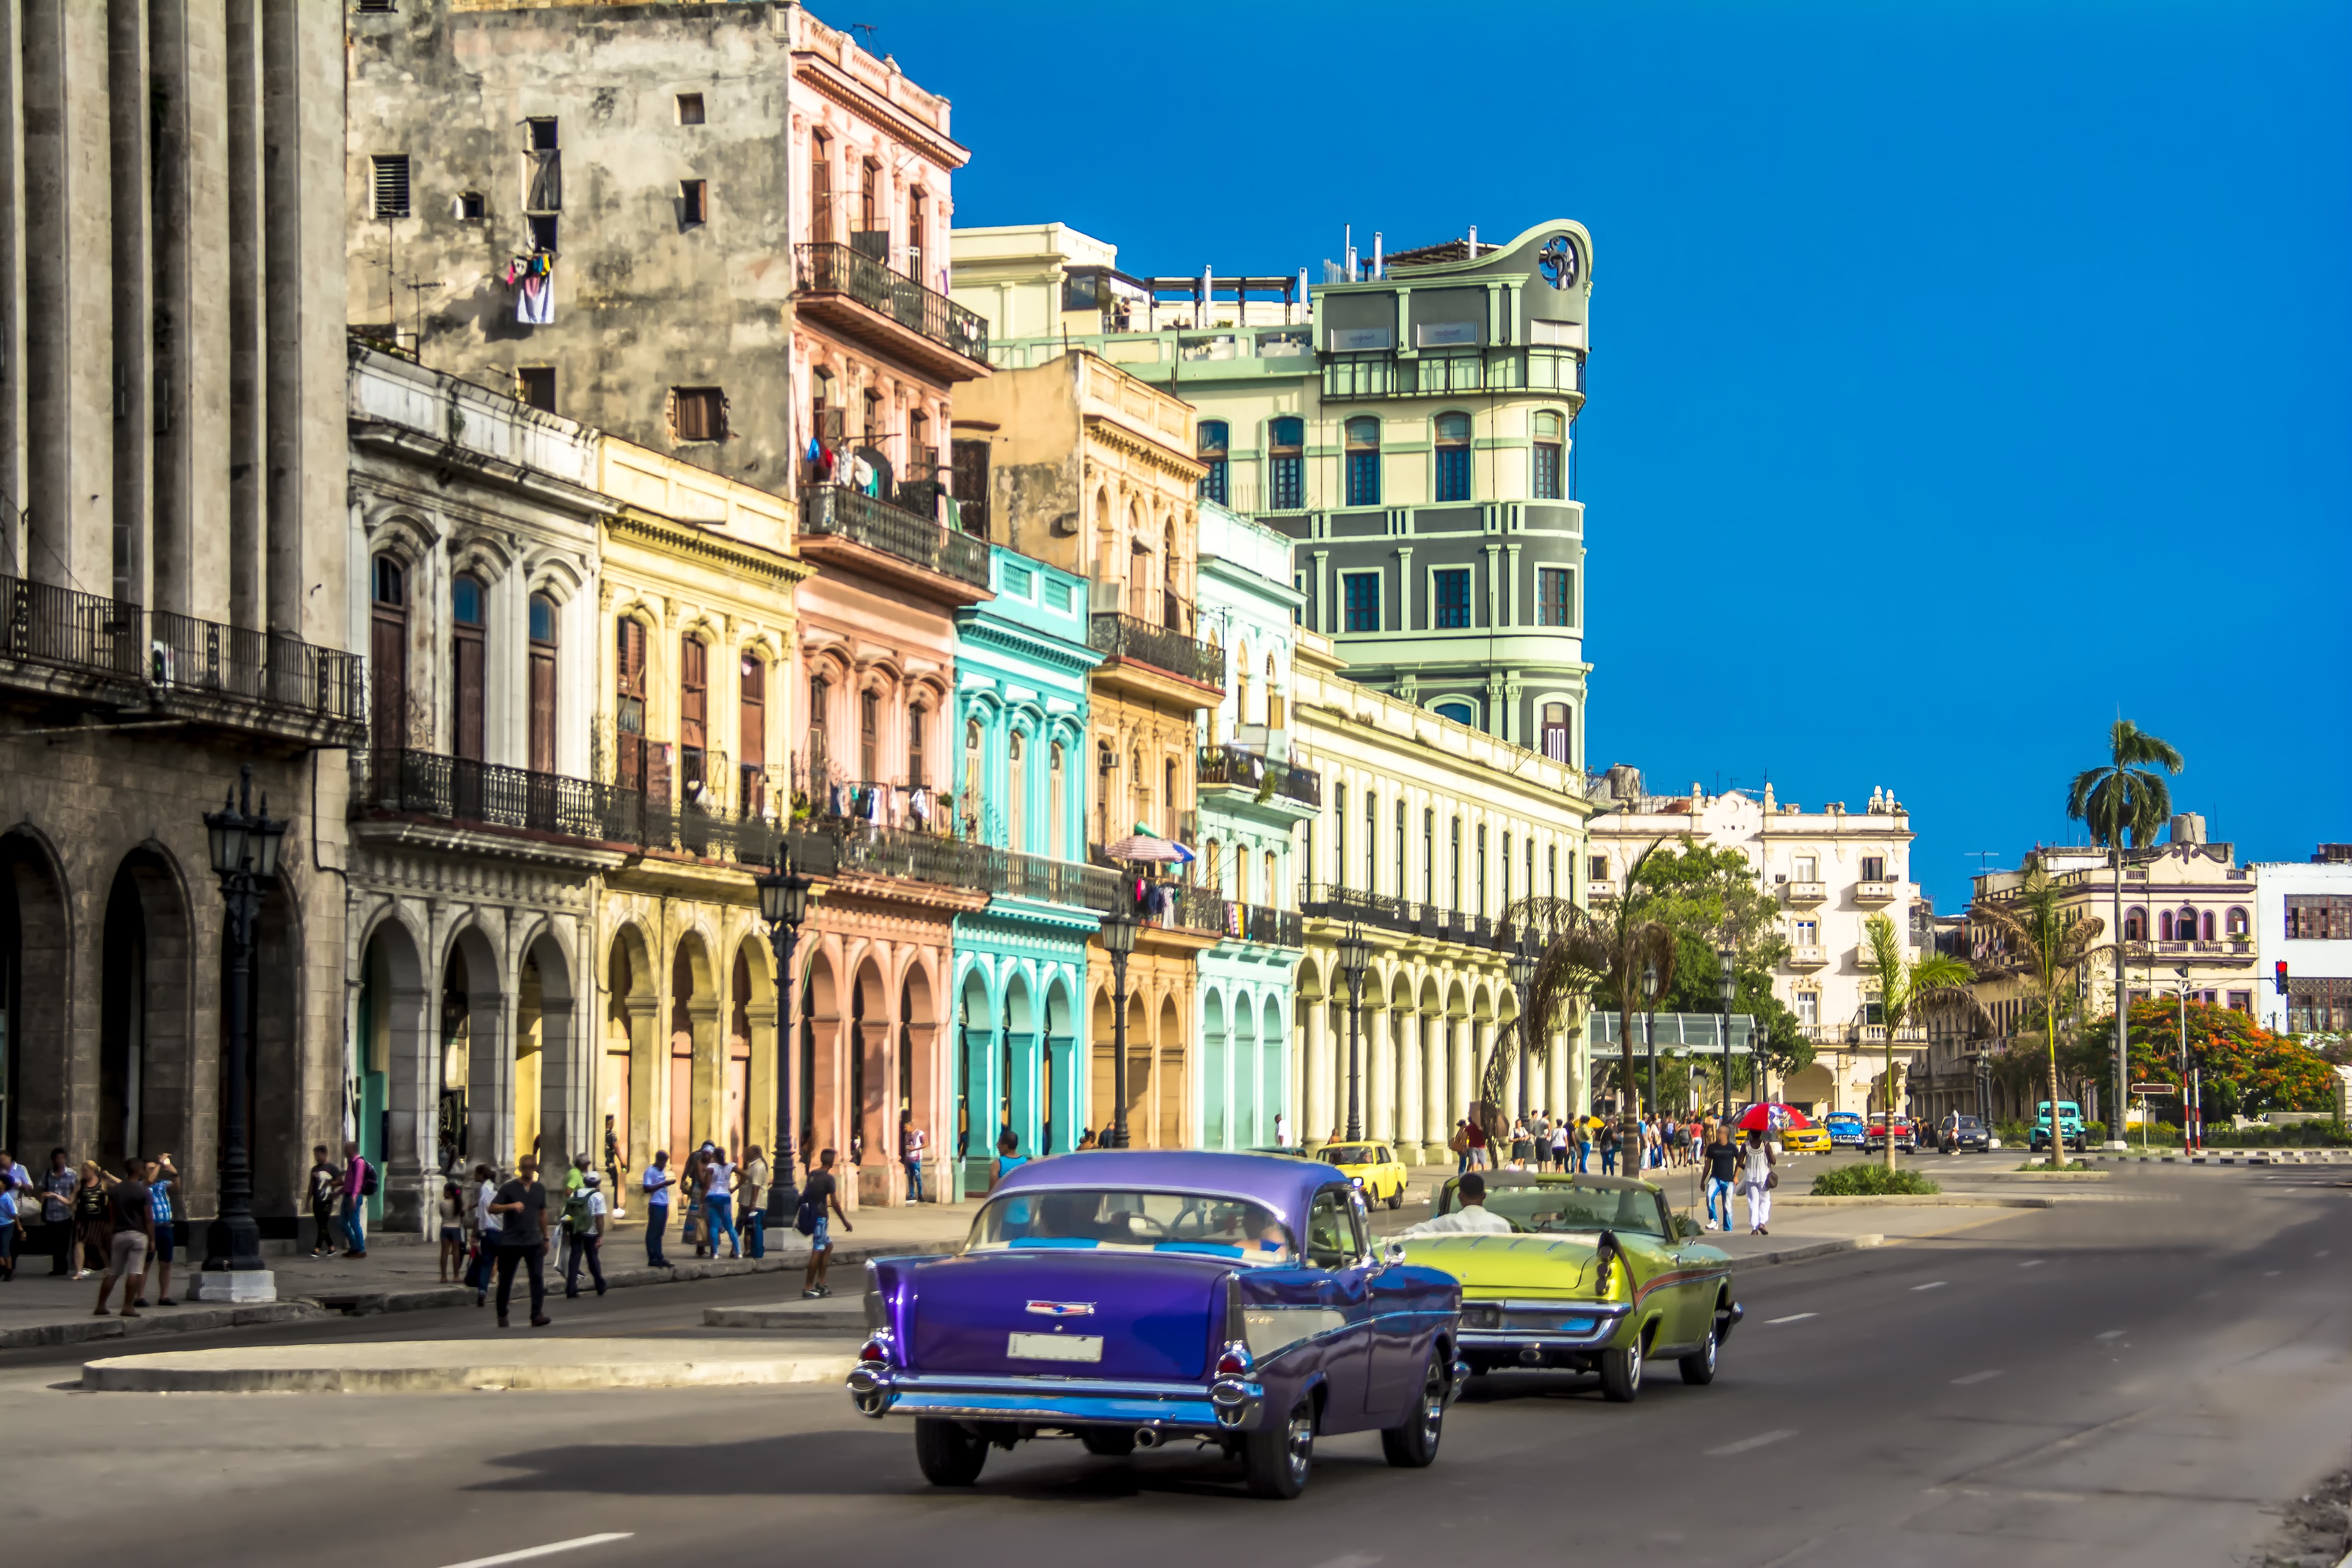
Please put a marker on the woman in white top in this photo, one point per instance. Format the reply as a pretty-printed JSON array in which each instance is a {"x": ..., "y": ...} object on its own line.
[
  {"x": 1756, "y": 1180},
  {"x": 485, "y": 1230}
]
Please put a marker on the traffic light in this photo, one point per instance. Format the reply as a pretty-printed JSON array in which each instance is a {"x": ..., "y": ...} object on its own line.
[{"x": 2282, "y": 976}]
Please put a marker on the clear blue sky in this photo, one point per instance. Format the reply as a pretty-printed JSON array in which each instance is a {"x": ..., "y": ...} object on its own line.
[{"x": 1961, "y": 375}]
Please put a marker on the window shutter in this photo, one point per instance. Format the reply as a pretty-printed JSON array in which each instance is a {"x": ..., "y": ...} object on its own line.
[
  {"x": 542, "y": 712},
  {"x": 389, "y": 180}
]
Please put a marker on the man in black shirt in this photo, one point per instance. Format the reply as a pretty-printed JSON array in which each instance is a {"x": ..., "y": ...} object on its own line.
[
  {"x": 521, "y": 1208},
  {"x": 1722, "y": 1164},
  {"x": 822, "y": 1193},
  {"x": 134, "y": 1209}
]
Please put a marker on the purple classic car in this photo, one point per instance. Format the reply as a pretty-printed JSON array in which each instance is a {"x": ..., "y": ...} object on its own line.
[{"x": 1129, "y": 1297}]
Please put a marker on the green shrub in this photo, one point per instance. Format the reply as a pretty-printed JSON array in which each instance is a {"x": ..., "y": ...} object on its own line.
[
  {"x": 2012, "y": 1134},
  {"x": 1872, "y": 1180}
]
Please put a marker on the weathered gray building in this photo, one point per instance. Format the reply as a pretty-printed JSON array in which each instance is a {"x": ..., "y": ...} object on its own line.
[
  {"x": 172, "y": 556},
  {"x": 641, "y": 149}
]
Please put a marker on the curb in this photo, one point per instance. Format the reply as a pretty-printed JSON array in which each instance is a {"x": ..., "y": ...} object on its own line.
[
  {"x": 176, "y": 1321},
  {"x": 200, "y": 1371},
  {"x": 1931, "y": 1200},
  {"x": 1805, "y": 1252},
  {"x": 787, "y": 1316},
  {"x": 368, "y": 1302}
]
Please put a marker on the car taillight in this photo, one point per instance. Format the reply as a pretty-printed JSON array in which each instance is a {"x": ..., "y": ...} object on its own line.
[
  {"x": 1236, "y": 1362},
  {"x": 876, "y": 1348}
]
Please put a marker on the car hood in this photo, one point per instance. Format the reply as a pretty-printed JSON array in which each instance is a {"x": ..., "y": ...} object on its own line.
[{"x": 1529, "y": 1265}]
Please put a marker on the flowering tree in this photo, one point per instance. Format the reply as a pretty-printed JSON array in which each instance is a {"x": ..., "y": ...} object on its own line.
[{"x": 2246, "y": 1069}]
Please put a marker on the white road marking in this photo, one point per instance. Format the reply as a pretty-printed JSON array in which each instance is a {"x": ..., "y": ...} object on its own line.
[
  {"x": 1974, "y": 1378},
  {"x": 1791, "y": 1318},
  {"x": 1932, "y": 1285},
  {"x": 1349, "y": 1560},
  {"x": 2110, "y": 1334},
  {"x": 2034, "y": 1263},
  {"x": 552, "y": 1548},
  {"x": 2321, "y": 1253},
  {"x": 2270, "y": 1273},
  {"x": 1759, "y": 1441}
]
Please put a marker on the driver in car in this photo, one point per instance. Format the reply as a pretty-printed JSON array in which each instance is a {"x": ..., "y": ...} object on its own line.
[{"x": 1472, "y": 1217}]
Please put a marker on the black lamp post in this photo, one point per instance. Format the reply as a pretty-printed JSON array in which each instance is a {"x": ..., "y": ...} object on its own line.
[
  {"x": 1728, "y": 984},
  {"x": 1119, "y": 940},
  {"x": 244, "y": 844},
  {"x": 1355, "y": 957},
  {"x": 1523, "y": 978},
  {"x": 783, "y": 904}
]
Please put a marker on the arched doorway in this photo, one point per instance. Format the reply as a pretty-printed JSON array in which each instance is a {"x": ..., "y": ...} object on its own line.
[
  {"x": 693, "y": 1046},
  {"x": 1214, "y": 1067},
  {"x": 36, "y": 969},
  {"x": 1172, "y": 1086},
  {"x": 142, "y": 1053},
  {"x": 399, "y": 1073},
  {"x": 558, "y": 1101},
  {"x": 477, "y": 1065},
  {"x": 625, "y": 1077},
  {"x": 736, "y": 1108}
]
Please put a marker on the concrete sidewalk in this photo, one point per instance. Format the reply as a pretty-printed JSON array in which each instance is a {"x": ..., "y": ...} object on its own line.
[
  {"x": 451, "y": 1366},
  {"x": 402, "y": 1274}
]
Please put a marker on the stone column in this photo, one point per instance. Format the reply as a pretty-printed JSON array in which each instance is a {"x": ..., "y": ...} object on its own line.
[
  {"x": 1438, "y": 1114},
  {"x": 982, "y": 1048},
  {"x": 1409, "y": 1046},
  {"x": 1314, "y": 1072},
  {"x": 1380, "y": 1076}
]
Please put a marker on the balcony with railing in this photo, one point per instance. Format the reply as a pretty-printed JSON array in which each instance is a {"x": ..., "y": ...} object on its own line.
[
  {"x": 1239, "y": 773},
  {"x": 1157, "y": 661},
  {"x": 1433, "y": 922},
  {"x": 1808, "y": 955},
  {"x": 460, "y": 790},
  {"x": 1873, "y": 892},
  {"x": 1600, "y": 888},
  {"x": 858, "y": 296},
  {"x": 1263, "y": 924},
  {"x": 1801, "y": 894},
  {"x": 64, "y": 643},
  {"x": 1348, "y": 376},
  {"x": 845, "y": 526}
]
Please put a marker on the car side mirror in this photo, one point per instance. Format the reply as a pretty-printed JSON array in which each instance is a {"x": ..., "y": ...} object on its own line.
[
  {"x": 1392, "y": 1253},
  {"x": 1686, "y": 1227}
]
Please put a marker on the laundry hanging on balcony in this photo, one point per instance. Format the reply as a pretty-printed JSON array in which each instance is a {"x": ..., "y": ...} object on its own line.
[{"x": 532, "y": 278}]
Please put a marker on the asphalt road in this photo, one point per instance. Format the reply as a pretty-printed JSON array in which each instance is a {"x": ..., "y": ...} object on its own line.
[{"x": 2137, "y": 1381}]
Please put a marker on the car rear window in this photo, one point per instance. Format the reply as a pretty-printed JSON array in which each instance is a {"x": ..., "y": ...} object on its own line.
[{"x": 1110, "y": 1219}]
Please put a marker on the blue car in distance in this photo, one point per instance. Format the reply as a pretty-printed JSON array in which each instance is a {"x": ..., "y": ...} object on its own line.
[
  {"x": 1845, "y": 1128},
  {"x": 1128, "y": 1299}
]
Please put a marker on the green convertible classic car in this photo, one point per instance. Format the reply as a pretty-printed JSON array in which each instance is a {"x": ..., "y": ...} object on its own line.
[{"x": 1595, "y": 1274}]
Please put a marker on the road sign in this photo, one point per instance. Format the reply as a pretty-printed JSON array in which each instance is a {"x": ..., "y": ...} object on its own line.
[{"x": 2154, "y": 1090}]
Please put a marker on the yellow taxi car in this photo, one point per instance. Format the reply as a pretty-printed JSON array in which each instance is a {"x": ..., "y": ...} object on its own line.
[
  {"x": 1805, "y": 1141},
  {"x": 1376, "y": 1171}
]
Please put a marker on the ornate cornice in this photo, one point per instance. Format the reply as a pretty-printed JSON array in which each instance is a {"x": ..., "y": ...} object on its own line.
[
  {"x": 1126, "y": 442},
  {"x": 692, "y": 543},
  {"x": 880, "y": 113}
]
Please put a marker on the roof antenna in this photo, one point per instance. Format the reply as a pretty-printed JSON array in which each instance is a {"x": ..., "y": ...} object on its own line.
[{"x": 866, "y": 28}]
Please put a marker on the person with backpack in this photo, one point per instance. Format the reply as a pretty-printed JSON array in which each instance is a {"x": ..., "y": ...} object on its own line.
[
  {"x": 822, "y": 1192},
  {"x": 583, "y": 1235},
  {"x": 359, "y": 1186}
]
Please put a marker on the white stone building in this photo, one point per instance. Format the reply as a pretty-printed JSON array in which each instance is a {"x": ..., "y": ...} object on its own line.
[
  {"x": 1830, "y": 869},
  {"x": 2302, "y": 918}
]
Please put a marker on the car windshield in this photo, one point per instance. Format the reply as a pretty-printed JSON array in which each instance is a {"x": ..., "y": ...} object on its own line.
[
  {"x": 1568, "y": 1205},
  {"x": 1101, "y": 1218},
  {"x": 1348, "y": 1154}
]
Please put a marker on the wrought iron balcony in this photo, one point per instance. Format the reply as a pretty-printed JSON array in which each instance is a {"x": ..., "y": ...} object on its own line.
[
  {"x": 1241, "y": 768},
  {"x": 828, "y": 274},
  {"x": 458, "y": 789},
  {"x": 78, "y": 634},
  {"x": 1053, "y": 882},
  {"x": 1433, "y": 921},
  {"x": 841, "y": 513},
  {"x": 1256, "y": 922},
  {"x": 266, "y": 668},
  {"x": 1116, "y": 636}
]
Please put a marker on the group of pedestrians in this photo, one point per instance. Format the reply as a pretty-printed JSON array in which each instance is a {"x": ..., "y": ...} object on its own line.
[
  {"x": 1747, "y": 1168},
  {"x": 93, "y": 1223},
  {"x": 338, "y": 1193}
]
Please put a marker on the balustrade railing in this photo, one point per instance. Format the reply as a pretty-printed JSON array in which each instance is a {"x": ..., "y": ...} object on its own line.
[
  {"x": 841, "y": 511},
  {"x": 268, "y": 668},
  {"x": 1118, "y": 636},
  {"x": 63, "y": 630},
  {"x": 828, "y": 268},
  {"x": 1324, "y": 902}
]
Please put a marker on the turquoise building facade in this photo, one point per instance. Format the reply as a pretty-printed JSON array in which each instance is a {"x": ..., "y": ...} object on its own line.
[
  {"x": 1252, "y": 798},
  {"x": 1022, "y": 666}
]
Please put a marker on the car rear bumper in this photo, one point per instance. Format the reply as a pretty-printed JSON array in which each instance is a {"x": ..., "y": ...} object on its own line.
[
  {"x": 1228, "y": 1404},
  {"x": 1544, "y": 1331}
]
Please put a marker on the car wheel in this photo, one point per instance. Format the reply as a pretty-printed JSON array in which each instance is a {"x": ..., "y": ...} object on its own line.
[
  {"x": 1621, "y": 1375},
  {"x": 1396, "y": 1198},
  {"x": 1110, "y": 1442},
  {"x": 1280, "y": 1459},
  {"x": 950, "y": 1456},
  {"x": 1414, "y": 1445},
  {"x": 1698, "y": 1367}
]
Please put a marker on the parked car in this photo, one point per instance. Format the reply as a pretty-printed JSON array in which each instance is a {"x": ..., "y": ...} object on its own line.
[
  {"x": 1844, "y": 1128},
  {"x": 1370, "y": 1166},
  {"x": 1874, "y": 1135},
  {"x": 1598, "y": 1274},
  {"x": 1958, "y": 1132},
  {"x": 2069, "y": 1124},
  {"x": 1813, "y": 1140},
  {"x": 1132, "y": 1298}
]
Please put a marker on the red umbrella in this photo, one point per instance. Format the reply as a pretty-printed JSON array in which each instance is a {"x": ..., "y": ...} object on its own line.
[{"x": 1771, "y": 1117}]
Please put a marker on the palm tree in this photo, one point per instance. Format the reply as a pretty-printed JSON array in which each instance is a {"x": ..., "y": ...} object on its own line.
[
  {"x": 1934, "y": 985},
  {"x": 2050, "y": 944},
  {"x": 2126, "y": 797}
]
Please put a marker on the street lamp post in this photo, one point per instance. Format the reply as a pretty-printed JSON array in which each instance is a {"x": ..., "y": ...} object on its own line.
[
  {"x": 1523, "y": 978},
  {"x": 783, "y": 904},
  {"x": 1728, "y": 985},
  {"x": 2191, "y": 1103},
  {"x": 1650, "y": 1028},
  {"x": 1119, "y": 940},
  {"x": 1355, "y": 957},
  {"x": 244, "y": 844}
]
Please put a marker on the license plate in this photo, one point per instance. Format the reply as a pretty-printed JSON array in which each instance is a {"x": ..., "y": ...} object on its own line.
[{"x": 1056, "y": 1347}]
